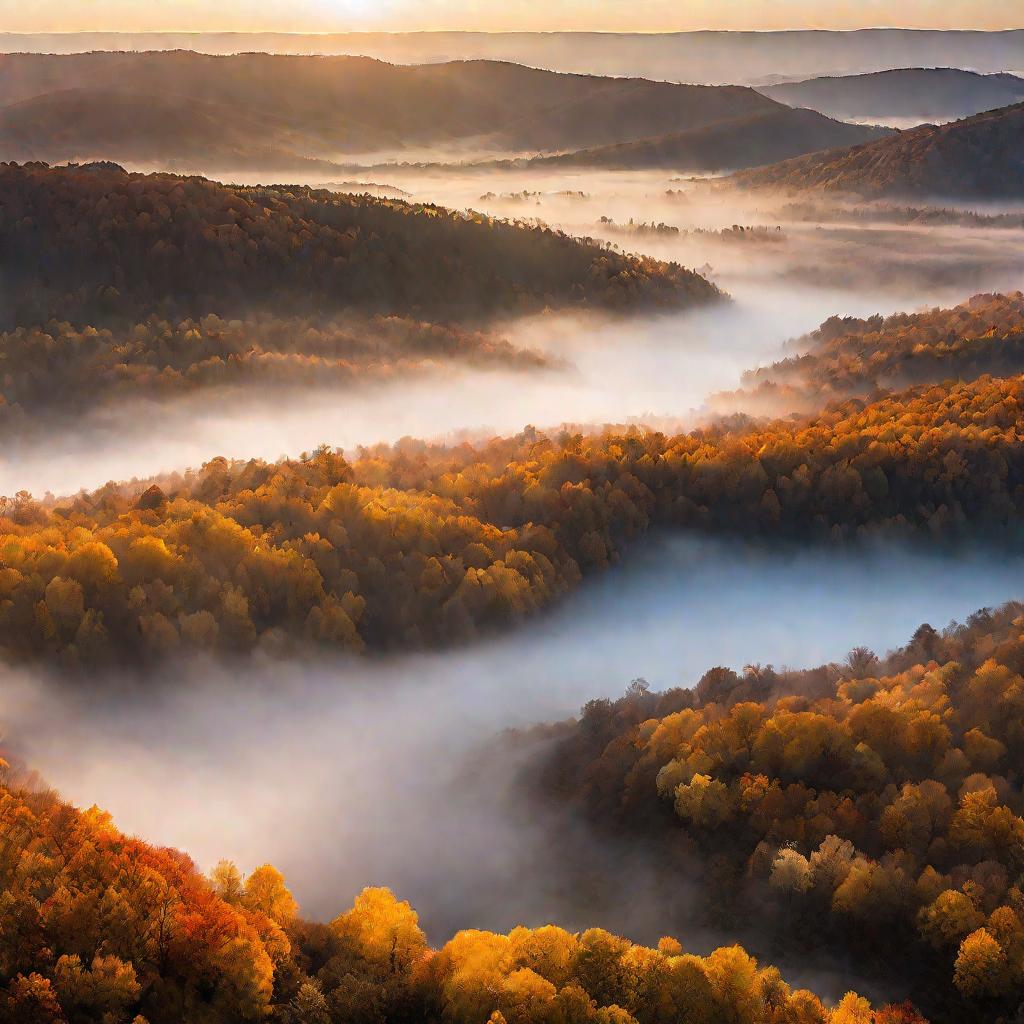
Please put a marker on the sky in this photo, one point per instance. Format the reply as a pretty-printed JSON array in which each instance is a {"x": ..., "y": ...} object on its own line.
[{"x": 489, "y": 15}]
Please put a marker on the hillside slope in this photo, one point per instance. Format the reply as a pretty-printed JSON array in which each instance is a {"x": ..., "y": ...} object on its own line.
[
  {"x": 98, "y": 927},
  {"x": 122, "y": 125},
  {"x": 981, "y": 157},
  {"x": 870, "y": 808},
  {"x": 754, "y": 57},
  {"x": 848, "y": 357},
  {"x": 744, "y": 142},
  {"x": 98, "y": 245},
  {"x": 108, "y": 105},
  {"x": 905, "y": 94}
]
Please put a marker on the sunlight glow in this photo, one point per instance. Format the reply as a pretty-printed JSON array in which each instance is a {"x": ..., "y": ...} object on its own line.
[{"x": 513, "y": 15}]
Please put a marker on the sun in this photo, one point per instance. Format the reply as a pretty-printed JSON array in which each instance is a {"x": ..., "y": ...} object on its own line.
[{"x": 338, "y": 15}]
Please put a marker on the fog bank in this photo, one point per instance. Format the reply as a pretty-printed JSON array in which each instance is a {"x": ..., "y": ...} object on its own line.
[
  {"x": 619, "y": 370},
  {"x": 354, "y": 773}
]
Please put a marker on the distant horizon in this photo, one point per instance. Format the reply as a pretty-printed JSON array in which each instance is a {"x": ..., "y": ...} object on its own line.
[
  {"x": 501, "y": 32},
  {"x": 704, "y": 56}
]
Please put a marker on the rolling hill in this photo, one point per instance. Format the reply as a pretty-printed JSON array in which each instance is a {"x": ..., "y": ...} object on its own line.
[
  {"x": 185, "y": 110},
  {"x": 741, "y": 143},
  {"x": 97, "y": 245},
  {"x": 849, "y": 357},
  {"x": 906, "y": 94},
  {"x": 980, "y": 157},
  {"x": 127, "y": 286},
  {"x": 152, "y": 129}
]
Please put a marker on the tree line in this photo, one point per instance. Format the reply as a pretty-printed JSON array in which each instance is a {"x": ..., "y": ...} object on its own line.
[
  {"x": 853, "y": 356},
  {"x": 978, "y": 157},
  {"x": 58, "y": 371}
]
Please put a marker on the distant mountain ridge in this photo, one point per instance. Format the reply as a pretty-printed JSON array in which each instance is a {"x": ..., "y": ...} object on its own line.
[
  {"x": 904, "y": 94},
  {"x": 186, "y": 111},
  {"x": 980, "y": 157},
  {"x": 709, "y": 58}
]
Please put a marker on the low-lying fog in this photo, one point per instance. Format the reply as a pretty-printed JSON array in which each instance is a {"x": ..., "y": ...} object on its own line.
[
  {"x": 913, "y": 265},
  {"x": 619, "y": 369},
  {"x": 353, "y": 773}
]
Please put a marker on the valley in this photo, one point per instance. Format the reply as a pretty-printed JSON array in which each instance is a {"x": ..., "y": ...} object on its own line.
[{"x": 572, "y": 482}]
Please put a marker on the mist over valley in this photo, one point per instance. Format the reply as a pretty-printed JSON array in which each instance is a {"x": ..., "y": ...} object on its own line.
[
  {"x": 386, "y": 752},
  {"x": 512, "y": 527}
]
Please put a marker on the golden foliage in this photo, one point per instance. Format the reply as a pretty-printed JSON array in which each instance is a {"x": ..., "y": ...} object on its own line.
[
  {"x": 423, "y": 545},
  {"x": 97, "y": 927},
  {"x": 878, "y": 813}
]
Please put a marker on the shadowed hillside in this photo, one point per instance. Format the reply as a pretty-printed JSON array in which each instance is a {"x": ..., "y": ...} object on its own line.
[
  {"x": 728, "y": 145},
  {"x": 155, "y": 128},
  {"x": 126, "y": 288},
  {"x": 981, "y": 157},
  {"x": 95, "y": 244}
]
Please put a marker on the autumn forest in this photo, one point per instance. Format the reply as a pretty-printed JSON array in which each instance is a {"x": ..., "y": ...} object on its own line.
[{"x": 495, "y": 541}]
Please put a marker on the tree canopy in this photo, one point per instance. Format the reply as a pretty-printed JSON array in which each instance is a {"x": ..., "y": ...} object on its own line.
[
  {"x": 979, "y": 156},
  {"x": 100, "y": 928},
  {"x": 853, "y": 356},
  {"x": 872, "y": 808}
]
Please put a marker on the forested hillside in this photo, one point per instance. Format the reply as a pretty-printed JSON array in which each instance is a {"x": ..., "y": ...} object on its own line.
[
  {"x": 872, "y": 809},
  {"x": 265, "y": 113},
  {"x": 422, "y": 545},
  {"x": 747, "y": 141},
  {"x": 160, "y": 129},
  {"x": 96, "y": 925},
  {"x": 850, "y": 356},
  {"x": 355, "y": 104},
  {"x": 981, "y": 157},
  {"x": 50, "y": 375},
  {"x": 96, "y": 245}
]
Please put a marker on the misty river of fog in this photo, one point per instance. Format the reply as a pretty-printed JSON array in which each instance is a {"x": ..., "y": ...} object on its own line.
[
  {"x": 346, "y": 773},
  {"x": 638, "y": 369},
  {"x": 620, "y": 369}
]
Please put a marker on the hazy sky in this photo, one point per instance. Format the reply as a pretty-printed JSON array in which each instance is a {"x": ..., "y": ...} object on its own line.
[{"x": 618, "y": 15}]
